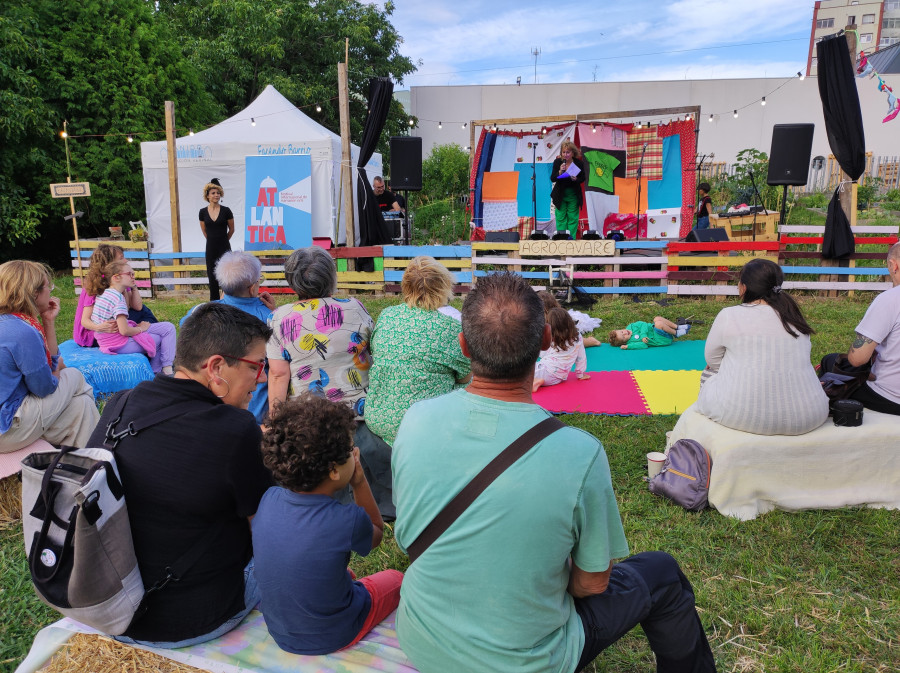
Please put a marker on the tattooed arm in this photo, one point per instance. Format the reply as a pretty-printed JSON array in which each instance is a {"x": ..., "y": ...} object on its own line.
[{"x": 861, "y": 350}]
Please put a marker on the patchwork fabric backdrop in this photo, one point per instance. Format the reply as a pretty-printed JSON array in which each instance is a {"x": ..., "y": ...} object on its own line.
[
  {"x": 644, "y": 382},
  {"x": 612, "y": 153}
]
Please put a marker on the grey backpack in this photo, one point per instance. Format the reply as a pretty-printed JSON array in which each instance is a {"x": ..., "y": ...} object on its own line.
[
  {"x": 78, "y": 535},
  {"x": 684, "y": 478}
]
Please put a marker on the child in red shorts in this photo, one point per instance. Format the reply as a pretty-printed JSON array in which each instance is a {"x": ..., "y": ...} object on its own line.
[{"x": 302, "y": 536}]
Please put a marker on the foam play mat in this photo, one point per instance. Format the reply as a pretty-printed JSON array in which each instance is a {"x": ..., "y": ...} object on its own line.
[
  {"x": 250, "y": 648},
  {"x": 668, "y": 392},
  {"x": 680, "y": 355},
  {"x": 603, "y": 393}
]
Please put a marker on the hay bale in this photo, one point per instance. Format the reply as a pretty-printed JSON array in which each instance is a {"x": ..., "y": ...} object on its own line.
[
  {"x": 10, "y": 501},
  {"x": 99, "y": 654}
]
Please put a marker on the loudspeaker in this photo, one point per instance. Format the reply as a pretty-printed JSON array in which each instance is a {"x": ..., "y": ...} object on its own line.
[
  {"x": 406, "y": 164},
  {"x": 501, "y": 236},
  {"x": 715, "y": 235},
  {"x": 791, "y": 151}
]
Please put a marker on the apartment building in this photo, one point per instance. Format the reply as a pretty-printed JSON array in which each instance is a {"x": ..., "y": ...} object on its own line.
[{"x": 878, "y": 24}]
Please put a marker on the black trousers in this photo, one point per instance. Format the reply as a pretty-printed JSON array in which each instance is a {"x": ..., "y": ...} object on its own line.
[
  {"x": 648, "y": 589},
  {"x": 872, "y": 400},
  {"x": 214, "y": 250}
]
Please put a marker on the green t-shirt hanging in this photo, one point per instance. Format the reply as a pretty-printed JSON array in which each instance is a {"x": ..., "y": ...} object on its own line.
[{"x": 600, "y": 171}]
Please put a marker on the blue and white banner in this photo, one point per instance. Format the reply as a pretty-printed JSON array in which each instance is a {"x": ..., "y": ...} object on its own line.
[{"x": 278, "y": 194}]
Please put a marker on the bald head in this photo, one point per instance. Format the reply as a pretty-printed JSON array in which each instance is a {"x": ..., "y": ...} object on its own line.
[{"x": 503, "y": 324}]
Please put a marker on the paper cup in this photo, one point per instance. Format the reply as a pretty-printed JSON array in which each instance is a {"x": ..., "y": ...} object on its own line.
[{"x": 655, "y": 461}]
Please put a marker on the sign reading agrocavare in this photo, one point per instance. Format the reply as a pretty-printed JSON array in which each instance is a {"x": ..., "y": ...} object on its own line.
[
  {"x": 588, "y": 248},
  {"x": 278, "y": 193}
]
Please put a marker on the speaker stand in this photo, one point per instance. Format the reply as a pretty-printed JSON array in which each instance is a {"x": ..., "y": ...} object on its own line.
[
  {"x": 783, "y": 210},
  {"x": 406, "y": 232}
]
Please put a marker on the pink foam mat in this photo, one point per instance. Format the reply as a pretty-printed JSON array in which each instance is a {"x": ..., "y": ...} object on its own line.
[{"x": 604, "y": 393}]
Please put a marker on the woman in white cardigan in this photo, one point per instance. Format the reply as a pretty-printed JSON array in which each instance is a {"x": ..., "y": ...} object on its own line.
[{"x": 758, "y": 374}]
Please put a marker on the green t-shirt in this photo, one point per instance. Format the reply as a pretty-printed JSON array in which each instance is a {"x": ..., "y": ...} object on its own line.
[
  {"x": 600, "y": 169},
  {"x": 490, "y": 593},
  {"x": 416, "y": 356},
  {"x": 641, "y": 330}
]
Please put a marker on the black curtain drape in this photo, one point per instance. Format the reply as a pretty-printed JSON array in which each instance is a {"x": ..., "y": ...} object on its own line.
[
  {"x": 372, "y": 228},
  {"x": 844, "y": 126}
]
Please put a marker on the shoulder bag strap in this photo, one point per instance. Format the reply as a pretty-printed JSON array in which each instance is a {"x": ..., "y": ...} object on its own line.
[{"x": 479, "y": 483}]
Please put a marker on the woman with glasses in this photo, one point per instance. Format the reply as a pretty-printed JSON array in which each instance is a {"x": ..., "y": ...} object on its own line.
[
  {"x": 239, "y": 274},
  {"x": 39, "y": 397},
  {"x": 193, "y": 481},
  {"x": 156, "y": 340},
  {"x": 320, "y": 342}
]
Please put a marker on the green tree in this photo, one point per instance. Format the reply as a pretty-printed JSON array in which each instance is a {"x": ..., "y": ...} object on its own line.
[
  {"x": 440, "y": 215},
  {"x": 240, "y": 46},
  {"x": 107, "y": 68}
]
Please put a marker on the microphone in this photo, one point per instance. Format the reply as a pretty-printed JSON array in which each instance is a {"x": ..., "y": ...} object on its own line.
[{"x": 646, "y": 145}]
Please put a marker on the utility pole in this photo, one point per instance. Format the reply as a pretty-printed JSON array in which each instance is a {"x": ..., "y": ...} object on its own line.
[{"x": 535, "y": 51}]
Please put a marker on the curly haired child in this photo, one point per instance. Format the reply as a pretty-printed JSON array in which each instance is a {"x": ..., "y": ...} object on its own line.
[
  {"x": 566, "y": 349},
  {"x": 640, "y": 334},
  {"x": 302, "y": 537}
]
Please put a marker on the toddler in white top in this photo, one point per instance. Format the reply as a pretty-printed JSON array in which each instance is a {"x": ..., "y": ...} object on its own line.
[{"x": 566, "y": 349}]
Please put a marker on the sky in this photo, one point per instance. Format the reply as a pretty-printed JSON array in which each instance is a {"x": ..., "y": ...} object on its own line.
[{"x": 491, "y": 42}]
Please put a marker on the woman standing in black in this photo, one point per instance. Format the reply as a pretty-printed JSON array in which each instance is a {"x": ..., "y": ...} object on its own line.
[{"x": 217, "y": 225}]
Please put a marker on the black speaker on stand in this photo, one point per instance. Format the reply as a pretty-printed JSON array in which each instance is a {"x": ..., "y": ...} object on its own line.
[
  {"x": 789, "y": 158},
  {"x": 406, "y": 170}
]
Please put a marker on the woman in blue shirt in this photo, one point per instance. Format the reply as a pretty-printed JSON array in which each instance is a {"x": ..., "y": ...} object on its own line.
[{"x": 39, "y": 397}]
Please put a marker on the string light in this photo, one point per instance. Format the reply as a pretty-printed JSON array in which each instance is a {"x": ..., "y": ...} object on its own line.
[
  {"x": 440, "y": 125},
  {"x": 593, "y": 129},
  {"x": 465, "y": 124},
  {"x": 710, "y": 118},
  {"x": 318, "y": 108},
  {"x": 801, "y": 75},
  {"x": 129, "y": 139},
  {"x": 411, "y": 122},
  {"x": 252, "y": 121},
  {"x": 63, "y": 134},
  {"x": 191, "y": 131},
  {"x": 735, "y": 114},
  {"x": 763, "y": 101}
]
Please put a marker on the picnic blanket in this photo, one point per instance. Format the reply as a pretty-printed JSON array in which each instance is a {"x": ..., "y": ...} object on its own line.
[
  {"x": 249, "y": 647},
  {"x": 828, "y": 468}
]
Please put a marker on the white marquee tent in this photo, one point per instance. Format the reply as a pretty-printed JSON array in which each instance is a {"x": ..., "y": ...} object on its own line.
[{"x": 219, "y": 152}]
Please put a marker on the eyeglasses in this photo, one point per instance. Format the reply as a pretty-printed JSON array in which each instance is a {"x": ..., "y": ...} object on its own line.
[
  {"x": 126, "y": 273},
  {"x": 260, "y": 364},
  {"x": 52, "y": 287}
]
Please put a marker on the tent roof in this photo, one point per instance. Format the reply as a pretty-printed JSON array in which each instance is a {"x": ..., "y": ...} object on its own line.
[
  {"x": 886, "y": 61},
  {"x": 277, "y": 119}
]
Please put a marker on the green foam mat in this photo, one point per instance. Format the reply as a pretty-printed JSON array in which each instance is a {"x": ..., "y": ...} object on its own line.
[{"x": 680, "y": 355}]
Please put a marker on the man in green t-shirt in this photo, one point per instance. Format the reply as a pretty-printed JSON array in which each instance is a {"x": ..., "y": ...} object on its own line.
[{"x": 524, "y": 579}]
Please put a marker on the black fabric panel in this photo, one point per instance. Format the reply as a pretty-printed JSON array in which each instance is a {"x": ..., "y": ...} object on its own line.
[
  {"x": 372, "y": 228},
  {"x": 844, "y": 127}
]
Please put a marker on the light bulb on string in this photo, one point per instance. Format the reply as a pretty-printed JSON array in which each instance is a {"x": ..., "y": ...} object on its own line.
[
  {"x": 710, "y": 118},
  {"x": 440, "y": 125},
  {"x": 801, "y": 75},
  {"x": 763, "y": 101},
  {"x": 191, "y": 131},
  {"x": 593, "y": 129},
  {"x": 465, "y": 124},
  {"x": 411, "y": 122},
  {"x": 318, "y": 108},
  {"x": 252, "y": 121},
  {"x": 129, "y": 138},
  {"x": 735, "y": 114},
  {"x": 63, "y": 134}
]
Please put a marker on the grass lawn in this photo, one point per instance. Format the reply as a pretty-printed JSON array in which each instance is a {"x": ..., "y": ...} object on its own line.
[{"x": 807, "y": 592}]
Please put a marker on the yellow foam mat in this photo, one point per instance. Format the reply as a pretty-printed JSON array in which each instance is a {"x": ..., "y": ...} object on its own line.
[{"x": 668, "y": 392}]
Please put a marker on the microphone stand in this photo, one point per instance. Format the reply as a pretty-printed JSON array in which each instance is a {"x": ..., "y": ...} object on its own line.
[
  {"x": 755, "y": 195},
  {"x": 640, "y": 170},
  {"x": 534, "y": 187}
]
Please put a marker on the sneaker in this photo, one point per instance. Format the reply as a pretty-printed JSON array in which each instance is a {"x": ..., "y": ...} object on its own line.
[{"x": 682, "y": 330}]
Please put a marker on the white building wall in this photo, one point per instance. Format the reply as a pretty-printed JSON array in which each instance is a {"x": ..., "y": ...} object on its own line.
[{"x": 796, "y": 102}]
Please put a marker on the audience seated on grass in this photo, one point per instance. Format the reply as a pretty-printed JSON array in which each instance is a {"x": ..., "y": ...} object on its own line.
[
  {"x": 84, "y": 328},
  {"x": 758, "y": 376},
  {"x": 240, "y": 277},
  {"x": 40, "y": 398},
  {"x": 302, "y": 537},
  {"x": 416, "y": 356},
  {"x": 319, "y": 343},
  {"x": 566, "y": 350},
  {"x": 193, "y": 481},
  {"x": 523, "y": 579},
  {"x": 583, "y": 321}
]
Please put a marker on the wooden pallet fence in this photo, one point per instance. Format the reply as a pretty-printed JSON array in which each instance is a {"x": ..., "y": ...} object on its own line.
[
  {"x": 687, "y": 268},
  {"x": 164, "y": 271},
  {"x": 136, "y": 254},
  {"x": 617, "y": 276},
  {"x": 273, "y": 270},
  {"x": 831, "y": 276},
  {"x": 457, "y": 258},
  {"x": 509, "y": 257},
  {"x": 367, "y": 281}
]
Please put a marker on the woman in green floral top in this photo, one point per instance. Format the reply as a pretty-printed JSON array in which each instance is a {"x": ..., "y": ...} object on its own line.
[{"x": 415, "y": 349}]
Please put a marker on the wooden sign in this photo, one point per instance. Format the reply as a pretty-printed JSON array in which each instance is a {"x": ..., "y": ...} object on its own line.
[
  {"x": 65, "y": 190},
  {"x": 550, "y": 248}
]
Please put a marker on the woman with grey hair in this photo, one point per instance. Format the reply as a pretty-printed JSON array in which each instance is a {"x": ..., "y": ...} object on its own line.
[
  {"x": 319, "y": 343},
  {"x": 239, "y": 274}
]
